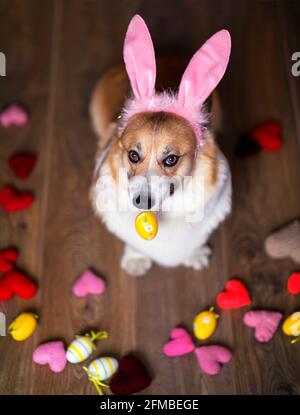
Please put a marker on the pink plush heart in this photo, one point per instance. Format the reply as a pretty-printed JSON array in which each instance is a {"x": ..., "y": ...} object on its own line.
[
  {"x": 13, "y": 115},
  {"x": 88, "y": 283},
  {"x": 181, "y": 343},
  {"x": 265, "y": 323},
  {"x": 210, "y": 358},
  {"x": 53, "y": 354}
]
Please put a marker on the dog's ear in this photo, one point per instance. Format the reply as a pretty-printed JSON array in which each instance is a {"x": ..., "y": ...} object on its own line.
[
  {"x": 139, "y": 58},
  {"x": 205, "y": 70}
]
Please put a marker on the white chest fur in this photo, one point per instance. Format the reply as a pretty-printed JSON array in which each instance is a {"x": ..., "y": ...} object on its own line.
[{"x": 177, "y": 238}]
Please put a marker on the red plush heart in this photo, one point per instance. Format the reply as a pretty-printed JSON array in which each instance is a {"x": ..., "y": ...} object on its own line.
[
  {"x": 131, "y": 377},
  {"x": 234, "y": 296},
  {"x": 16, "y": 283},
  {"x": 22, "y": 164},
  {"x": 268, "y": 136},
  {"x": 294, "y": 283},
  {"x": 12, "y": 201},
  {"x": 8, "y": 257}
]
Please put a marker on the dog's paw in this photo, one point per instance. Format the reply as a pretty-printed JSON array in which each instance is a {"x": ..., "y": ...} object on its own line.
[
  {"x": 199, "y": 258},
  {"x": 135, "y": 264}
]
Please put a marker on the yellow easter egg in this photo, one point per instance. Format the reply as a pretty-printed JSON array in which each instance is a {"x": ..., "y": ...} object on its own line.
[
  {"x": 146, "y": 225},
  {"x": 205, "y": 323},
  {"x": 23, "y": 326},
  {"x": 291, "y": 326}
]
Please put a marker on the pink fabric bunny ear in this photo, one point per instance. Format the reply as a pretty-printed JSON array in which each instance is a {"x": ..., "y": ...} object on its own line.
[
  {"x": 139, "y": 58},
  {"x": 205, "y": 70}
]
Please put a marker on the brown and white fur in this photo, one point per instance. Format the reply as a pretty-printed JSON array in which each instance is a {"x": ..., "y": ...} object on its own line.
[{"x": 155, "y": 135}]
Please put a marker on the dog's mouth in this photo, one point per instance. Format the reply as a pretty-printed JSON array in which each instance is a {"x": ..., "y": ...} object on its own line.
[
  {"x": 172, "y": 188},
  {"x": 150, "y": 193}
]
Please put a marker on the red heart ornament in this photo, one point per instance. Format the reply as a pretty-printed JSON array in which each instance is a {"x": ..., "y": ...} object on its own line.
[
  {"x": 268, "y": 136},
  {"x": 7, "y": 259},
  {"x": 180, "y": 344},
  {"x": 131, "y": 377},
  {"x": 234, "y": 296},
  {"x": 22, "y": 164},
  {"x": 294, "y": 283},
  {"x": 6, "y": 193},
  {"x": 12, "y": 201},
  {"x": 16, "y": 283}
]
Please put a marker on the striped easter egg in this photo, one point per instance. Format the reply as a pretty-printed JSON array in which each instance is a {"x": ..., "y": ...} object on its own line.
[
  {"x": 103, "y": 368},
  {"x": 80, "y": 349}
]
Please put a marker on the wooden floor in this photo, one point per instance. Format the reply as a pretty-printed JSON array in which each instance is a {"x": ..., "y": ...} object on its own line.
[{"x": 55, "y": 52}]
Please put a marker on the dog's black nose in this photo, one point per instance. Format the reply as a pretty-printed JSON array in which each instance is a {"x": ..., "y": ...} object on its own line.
[
  {"x": 143, "y": 202},
  {"x": 150, "y": 202}
]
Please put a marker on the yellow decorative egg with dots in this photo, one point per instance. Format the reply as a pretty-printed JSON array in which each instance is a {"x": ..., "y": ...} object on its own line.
[
  {"x": 23, "y": 326},
  {"x": 291, "y": 326},
  {"x": 146, "y": 225},
  {"x": 205, "y": 323}
]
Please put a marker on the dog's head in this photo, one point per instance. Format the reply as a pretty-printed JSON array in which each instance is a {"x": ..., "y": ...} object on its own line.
[
  {"x": 160, "y": 133},
  {"x": 158, "y": 149}
]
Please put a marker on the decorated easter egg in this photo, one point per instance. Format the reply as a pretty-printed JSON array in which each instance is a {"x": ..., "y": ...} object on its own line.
[
  {"x": 102, "y": 368},
  {"x": 146, "y": 225},
  {"x": 23, "y": 326},
  {"x": 205, "y": 323},
  {"x": 291, "y": 326},
  {"x": 80, "y": 349}
]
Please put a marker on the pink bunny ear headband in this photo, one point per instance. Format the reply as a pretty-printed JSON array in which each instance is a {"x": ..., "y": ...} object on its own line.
[{"x": 201, "y": 76}]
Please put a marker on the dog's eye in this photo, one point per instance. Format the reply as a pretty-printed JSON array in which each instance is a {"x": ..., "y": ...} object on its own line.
[
  {"x": 170, "y": 161},
  {"x": 133, "y": 156}
]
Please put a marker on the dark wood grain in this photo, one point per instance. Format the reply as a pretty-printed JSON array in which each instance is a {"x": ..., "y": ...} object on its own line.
[
  {"x": 263, "y": 188},
  {"x": 289, "y": 13},
  {"x": 26, "y": 30},
  {"x": 56, "y": 51}
]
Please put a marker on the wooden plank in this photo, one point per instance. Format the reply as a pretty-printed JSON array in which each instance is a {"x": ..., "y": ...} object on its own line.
[
  {"x": 25, "y": 38},
  {"x": 289, "y": 13},
  {"x": 266, "y": 195},
  {"x": 131, "y": 308},
  {"x": 139, "y": 313},
  {"x": 75, "y": 239},
  {"x": 253, "y": 91}
]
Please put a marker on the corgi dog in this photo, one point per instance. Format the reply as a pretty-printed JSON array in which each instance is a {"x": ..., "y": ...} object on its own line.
[{"x": 157, "y": 151}]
